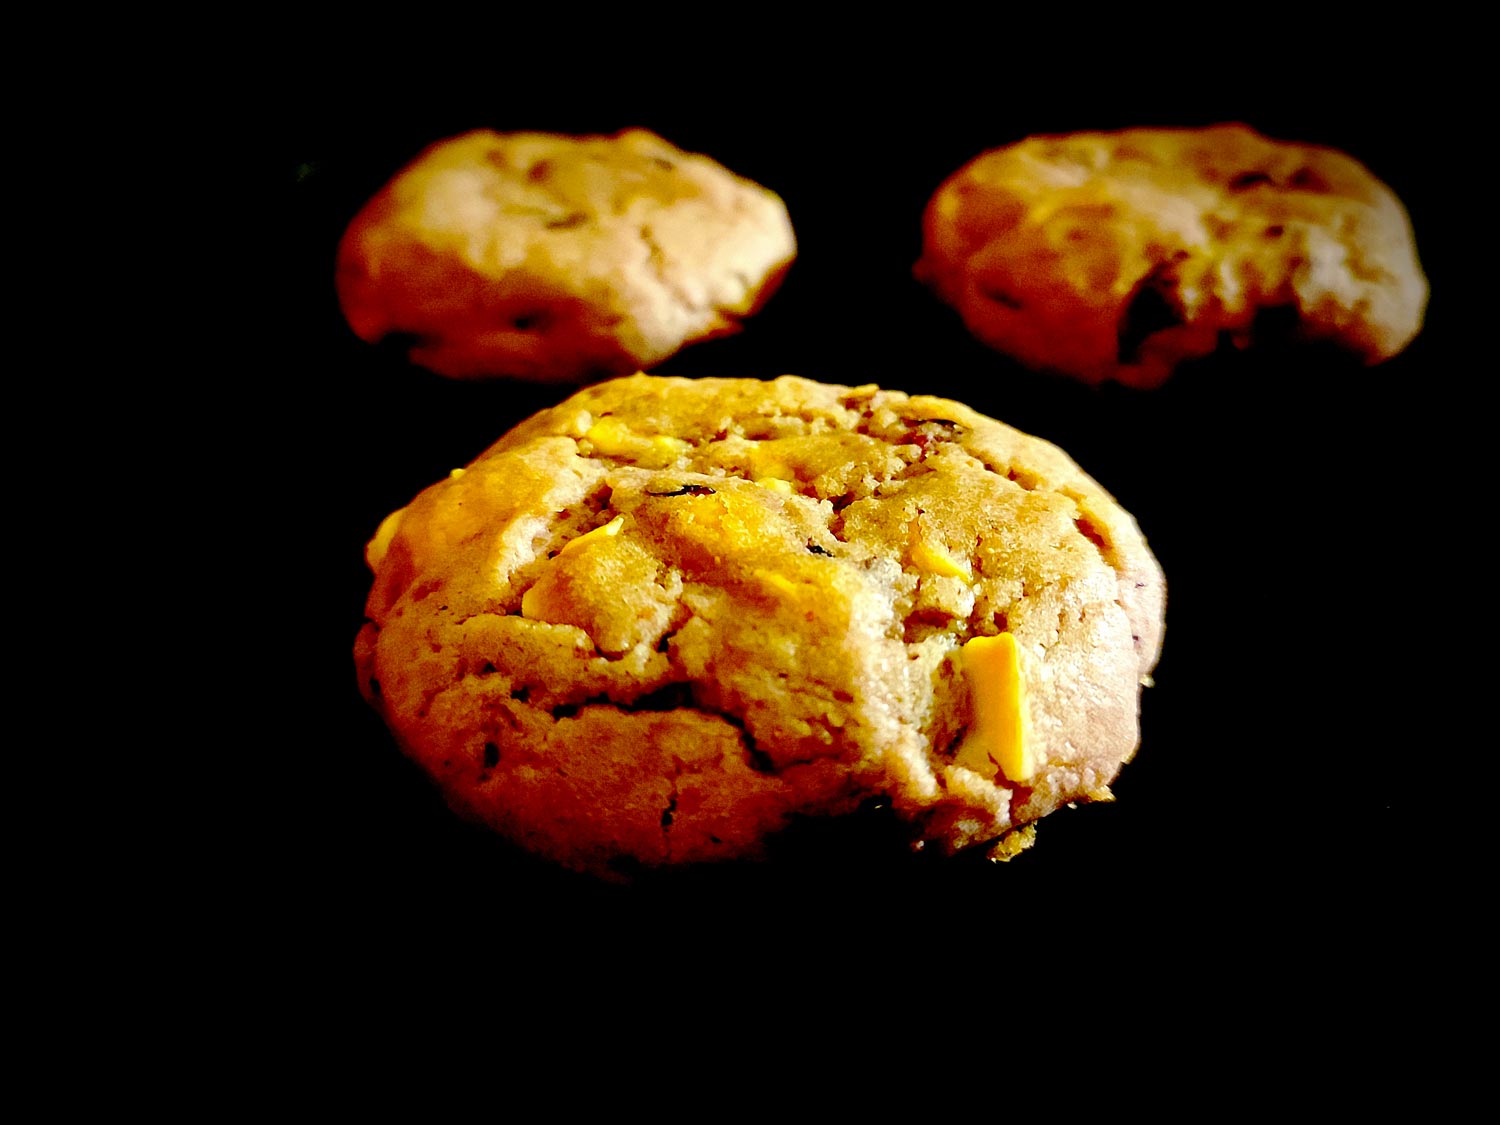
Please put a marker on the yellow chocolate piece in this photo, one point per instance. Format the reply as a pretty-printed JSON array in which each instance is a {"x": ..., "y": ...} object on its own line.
[
  {"x": 932, "y": 557},
  {"x": 806, "y": 599},
  {"x": 611, "y": 437},
  {"x": 997, "y": 737},
  {"x": 532, "y": 604},
  {"x": 533, "y": 601},
  {"x": 614, "y": 438},
  {"x": 378, "y": 546},
  {"x": 765, "y": 465},
  {"x": 778, "y": 582},
  {"x": 608, "y": 531}
]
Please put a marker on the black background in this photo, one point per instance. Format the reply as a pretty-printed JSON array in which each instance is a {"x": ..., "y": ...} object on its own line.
[{"x": 1286, "y": 495}]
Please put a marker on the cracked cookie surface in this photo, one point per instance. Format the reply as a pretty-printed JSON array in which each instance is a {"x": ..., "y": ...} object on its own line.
[
  {"x": 1121, "y": 255},
  {"x": 550, "y": 257},
  {"x": 656, "y": 622}
]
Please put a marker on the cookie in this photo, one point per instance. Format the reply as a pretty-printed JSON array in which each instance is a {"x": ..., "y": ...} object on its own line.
[
  {"x": 1121, "y": 255},
  {"x": 548, "y": 257},
  {"x": 657, "y": 622}
]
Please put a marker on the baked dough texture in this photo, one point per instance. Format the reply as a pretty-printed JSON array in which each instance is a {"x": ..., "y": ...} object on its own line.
[
  {"x": 549, "y": 257},
  {"x": 1120, "y": 255},
  {"x": 657, "y": 622}
]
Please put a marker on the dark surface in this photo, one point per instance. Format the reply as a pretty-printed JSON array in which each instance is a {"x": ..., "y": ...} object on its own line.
[{"x": 1282, "y": 493}]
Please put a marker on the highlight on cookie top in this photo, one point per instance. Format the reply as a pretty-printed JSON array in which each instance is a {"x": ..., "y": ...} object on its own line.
[
  {"x": 1119, "y": 256},
  {"x": 542, "y": 256},
  {"x": 654, "y": 624}
]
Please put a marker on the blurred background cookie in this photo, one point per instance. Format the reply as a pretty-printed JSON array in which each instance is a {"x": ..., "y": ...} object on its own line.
[
  {"x": 551, "y": 257},
  {"x": 655, "y": 623},
  {"x": 1120, "y": 255}
]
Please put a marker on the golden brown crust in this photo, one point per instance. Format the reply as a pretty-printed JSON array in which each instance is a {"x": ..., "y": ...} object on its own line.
[
  {"x": 1120, "y": 255},
  {"x": 549, "y": 257},
  {"x": 659, "y": 619}
]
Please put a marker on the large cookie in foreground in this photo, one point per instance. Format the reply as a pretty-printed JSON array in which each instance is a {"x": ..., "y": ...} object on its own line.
[
  {"x": 550, "y": 257},
  {"x": 656, "y": 622},
  {"x": 1120, "y": 255}
]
